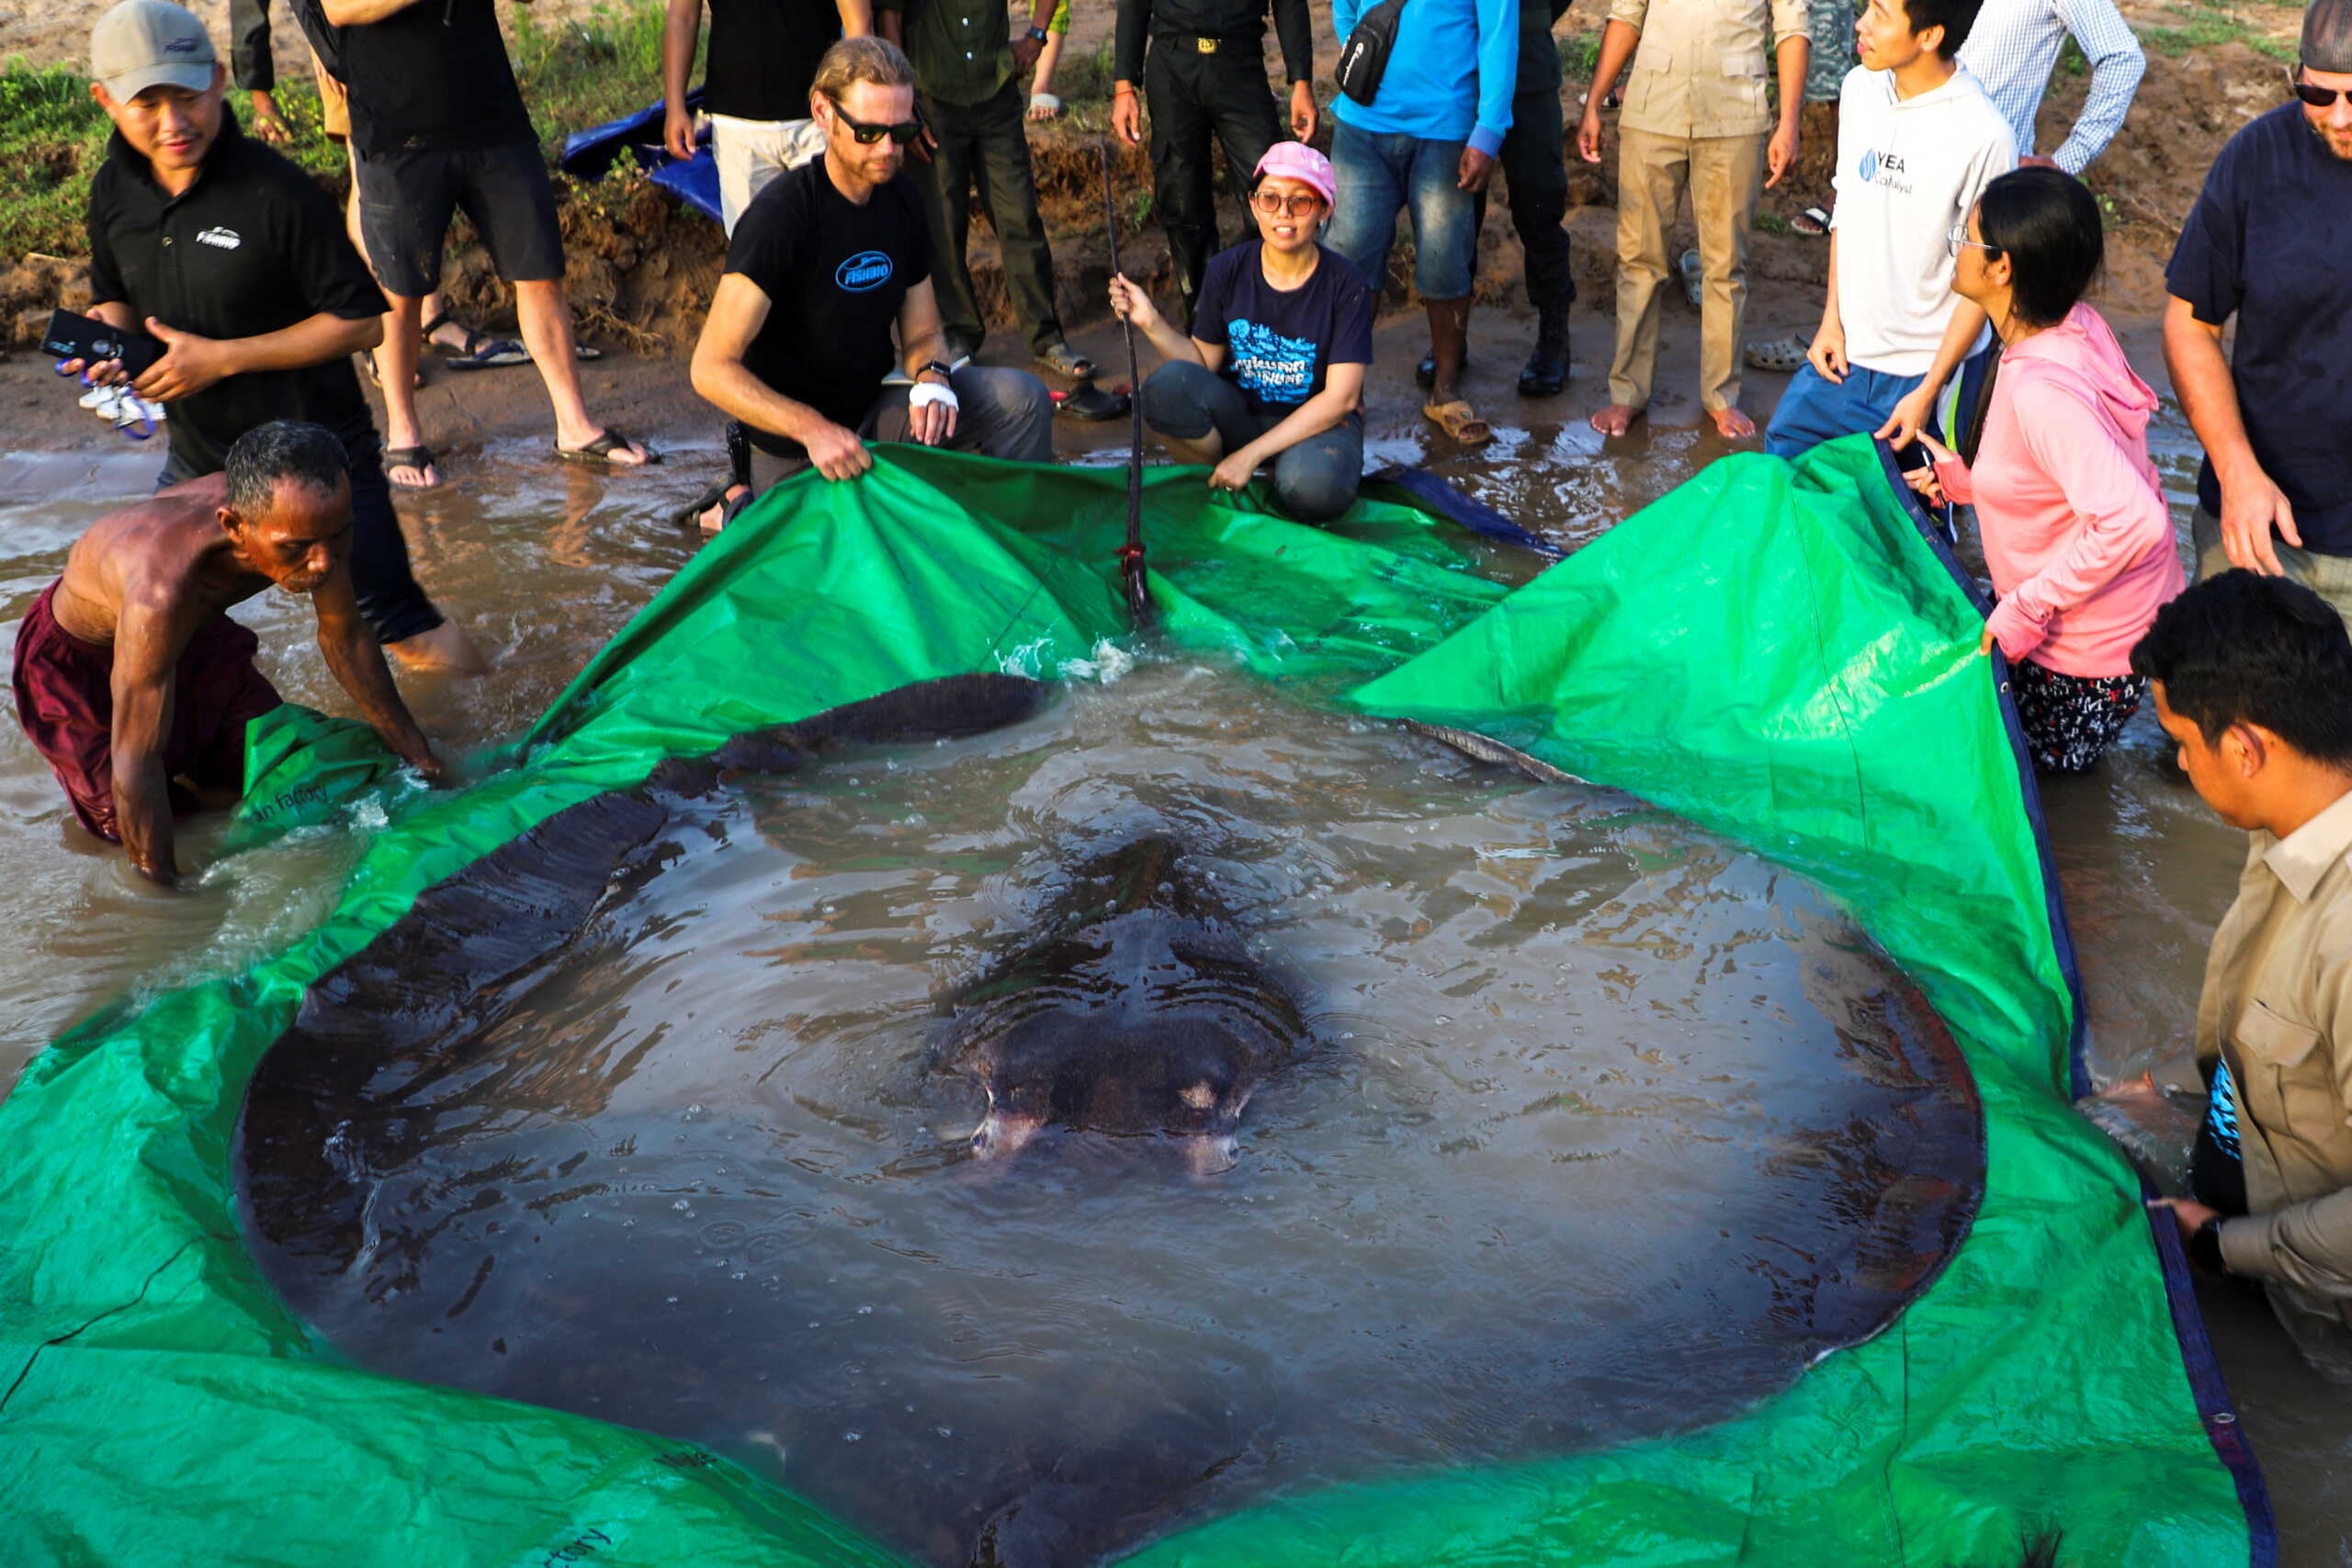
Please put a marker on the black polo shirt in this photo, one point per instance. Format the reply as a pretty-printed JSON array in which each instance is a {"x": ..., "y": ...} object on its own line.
[{"x": 253, "y": 245}]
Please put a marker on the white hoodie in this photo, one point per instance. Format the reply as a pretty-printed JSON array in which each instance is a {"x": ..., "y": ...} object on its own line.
[{"x": 1908, "y": 169}]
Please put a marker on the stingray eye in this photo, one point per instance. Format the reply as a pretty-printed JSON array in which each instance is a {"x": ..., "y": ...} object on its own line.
[{"x": 1201, "y": 1096}]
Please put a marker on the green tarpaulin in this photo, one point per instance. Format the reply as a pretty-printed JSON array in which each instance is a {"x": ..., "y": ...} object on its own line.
[{"x": 1773, "y": 651}]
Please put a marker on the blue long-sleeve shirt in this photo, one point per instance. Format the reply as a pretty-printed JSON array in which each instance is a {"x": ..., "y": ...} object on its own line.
[{"x": 1451, "y": 77}]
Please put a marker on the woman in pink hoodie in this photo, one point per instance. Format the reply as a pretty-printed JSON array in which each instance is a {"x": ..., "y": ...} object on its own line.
[{"x": 2072, "y": 514}]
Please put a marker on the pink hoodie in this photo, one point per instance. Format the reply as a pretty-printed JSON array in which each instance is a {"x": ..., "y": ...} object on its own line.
[{"x": 2073, "y": 515}]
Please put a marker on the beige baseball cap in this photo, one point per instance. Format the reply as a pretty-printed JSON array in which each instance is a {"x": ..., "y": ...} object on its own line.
[{"x": 146, "y": 43}]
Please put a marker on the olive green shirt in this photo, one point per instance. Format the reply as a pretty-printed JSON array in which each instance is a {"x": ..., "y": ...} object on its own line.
[
  {"x": 962, "y": 50},
  {"x": 2277, "y": 1007}
]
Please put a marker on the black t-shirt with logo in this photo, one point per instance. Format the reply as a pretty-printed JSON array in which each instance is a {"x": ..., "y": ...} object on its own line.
[
  {"x": 1279, "y": 344},
  {"x": 763, "y": 55},
  {"x": 253, "y": 246},
  {"x": 432, "y": 76},
  {"x": 835, "y": 275}
]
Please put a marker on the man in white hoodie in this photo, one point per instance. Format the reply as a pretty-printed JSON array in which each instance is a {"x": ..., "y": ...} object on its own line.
[{"x": 1918, "y": 142}]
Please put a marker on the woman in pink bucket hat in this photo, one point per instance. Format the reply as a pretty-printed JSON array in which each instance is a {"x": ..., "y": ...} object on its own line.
[{"x": 1274, "y": 370}]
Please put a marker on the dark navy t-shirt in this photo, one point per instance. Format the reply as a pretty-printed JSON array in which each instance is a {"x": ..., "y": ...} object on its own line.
[
  {"x": 1278, "y": 344},
  {"x": 2268, "y": 241},
  {"x": 835, "y": 275}
]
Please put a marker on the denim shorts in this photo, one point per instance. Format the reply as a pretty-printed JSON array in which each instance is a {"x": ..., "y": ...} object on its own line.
[
  {"x": 1382, "y": 171},
  {"x": 406, "y": 199}
]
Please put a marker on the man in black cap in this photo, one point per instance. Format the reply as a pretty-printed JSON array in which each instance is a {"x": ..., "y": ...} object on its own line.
[
  {"x": 2265, "y": 243},
  {"x": 1202, "y": 67},
  {"x": 238, "y": 262}
]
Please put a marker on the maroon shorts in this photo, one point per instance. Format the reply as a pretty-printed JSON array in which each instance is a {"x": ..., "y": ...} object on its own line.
[{"x": 65, "y": 701}]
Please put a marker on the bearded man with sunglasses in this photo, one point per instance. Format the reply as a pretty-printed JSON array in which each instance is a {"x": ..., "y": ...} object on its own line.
[
  {"x": 825, "y": 262},
  {"x": 2265, "y": 243}
]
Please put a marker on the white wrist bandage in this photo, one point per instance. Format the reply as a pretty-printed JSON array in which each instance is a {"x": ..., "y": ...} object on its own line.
[{"x": 931, "y": 392}]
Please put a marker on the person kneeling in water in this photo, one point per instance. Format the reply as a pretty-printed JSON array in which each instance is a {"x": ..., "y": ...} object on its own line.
[
  {"x": 2253, "y": 679},
  {"x": 132, "y": 682},
  {"x": 1274, "y": 371}
]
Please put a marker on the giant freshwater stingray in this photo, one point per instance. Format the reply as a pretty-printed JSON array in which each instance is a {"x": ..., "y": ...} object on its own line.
[{"x": 432, "y": 1179}]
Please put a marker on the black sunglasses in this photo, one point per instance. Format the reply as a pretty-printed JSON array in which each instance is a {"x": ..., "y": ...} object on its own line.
[
  {"x": 868, "y": 135},
  {"x": 2319, "y": 98}
]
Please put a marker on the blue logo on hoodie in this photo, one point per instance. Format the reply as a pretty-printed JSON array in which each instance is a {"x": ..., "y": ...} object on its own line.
[
  {"x": 866, "y": 270},
  {"x": 1869, "y": 165}
]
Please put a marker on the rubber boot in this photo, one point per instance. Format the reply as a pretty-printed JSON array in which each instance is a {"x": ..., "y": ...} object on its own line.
[{"x": 1547, "y": 368}]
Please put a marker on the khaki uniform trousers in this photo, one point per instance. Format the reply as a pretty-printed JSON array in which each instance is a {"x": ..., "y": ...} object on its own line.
[{"x": 1724, "y": 175}]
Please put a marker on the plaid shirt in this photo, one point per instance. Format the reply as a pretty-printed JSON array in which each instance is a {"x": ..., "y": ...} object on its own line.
[{"x": 2013, "y": 48}]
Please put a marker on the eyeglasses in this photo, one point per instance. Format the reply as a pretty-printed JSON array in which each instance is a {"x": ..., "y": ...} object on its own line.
[
  {"x": 868, "y": 135},
  {"x": 1273, "y": 204},
  {"x": 2319, "y": 98},
  {"x": 1959, "y": 237}
]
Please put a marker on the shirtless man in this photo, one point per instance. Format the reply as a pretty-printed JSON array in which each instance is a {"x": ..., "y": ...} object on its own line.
[{"x": 135, "y": 686}]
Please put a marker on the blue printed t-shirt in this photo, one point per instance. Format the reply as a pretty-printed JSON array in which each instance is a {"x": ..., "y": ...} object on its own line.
[
  {"x": 835, "y": 275},
  {"x": 2266, "y": 242},
  {"x": 1279, "y": 344}
]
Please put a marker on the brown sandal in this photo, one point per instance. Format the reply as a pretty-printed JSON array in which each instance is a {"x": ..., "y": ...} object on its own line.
[{"x": 1459, "y": 422}]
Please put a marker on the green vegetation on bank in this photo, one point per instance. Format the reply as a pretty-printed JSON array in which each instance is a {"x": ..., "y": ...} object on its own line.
[{"x": 54, "y": 136}]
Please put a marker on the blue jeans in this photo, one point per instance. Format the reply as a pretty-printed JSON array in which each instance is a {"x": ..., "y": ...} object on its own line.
[
  {"x": 1314, "y": 480},
  {"x": 1813, "y": 409},
  {"x": 1382, "y": 171}
]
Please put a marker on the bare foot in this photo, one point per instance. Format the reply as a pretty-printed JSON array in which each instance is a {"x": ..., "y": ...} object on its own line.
[
  {"x": 1615, "y": 420},
  {"x": 1731, "y": 424},
  {"x": 444, "y": 650}
]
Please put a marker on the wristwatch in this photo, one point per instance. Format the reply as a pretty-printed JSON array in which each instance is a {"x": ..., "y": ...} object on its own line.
[
  {"x": 930, "y": 365},
  {"x": 2205, "y": 1245},
  {"x": 1036, "y": 36}
]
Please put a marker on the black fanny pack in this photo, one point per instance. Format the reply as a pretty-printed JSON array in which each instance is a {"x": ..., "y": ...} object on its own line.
[{"x": 1364, "y": 59}]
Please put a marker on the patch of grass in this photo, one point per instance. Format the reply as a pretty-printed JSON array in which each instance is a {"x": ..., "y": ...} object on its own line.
[
  {"x": 577, "y": 74},
  {"x": 54, "y": 136},
  {"x": 1772, "y": 224},
  {"x": 2204, "y": 27},
  {"x": 1084, "y": 78}
]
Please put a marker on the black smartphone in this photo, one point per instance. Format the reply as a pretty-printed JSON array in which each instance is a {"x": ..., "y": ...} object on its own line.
[{"x": 72, "y": 336}]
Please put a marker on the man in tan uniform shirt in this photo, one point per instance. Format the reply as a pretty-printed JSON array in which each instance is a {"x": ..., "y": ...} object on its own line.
[
  {"x": 1698, "y": 114},
  {"x": 2253, "y": 677}
]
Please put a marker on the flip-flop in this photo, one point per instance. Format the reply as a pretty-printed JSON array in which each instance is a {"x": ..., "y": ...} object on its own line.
[
  {"x": 689, "y": 516},
  {"x": 1812, "y": 220},
  {"x": 419, "y": 458},
  {"x": 582, "y": 351},
  {"x": 1064, "y": 360},
  {"x": 479, "y": 352},
  {"x": 1694, "y": 276},
  {"x": 598, "y": 454},
  {"x": 1460, "y": 423},
  {"x": 1783, "y": 355}
]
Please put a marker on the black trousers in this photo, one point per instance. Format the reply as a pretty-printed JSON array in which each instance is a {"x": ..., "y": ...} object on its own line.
[
  {"x": 1536, "y": 173},
  {"x": 990, "y": 142},
  {"x": 1196, "y": 99}
]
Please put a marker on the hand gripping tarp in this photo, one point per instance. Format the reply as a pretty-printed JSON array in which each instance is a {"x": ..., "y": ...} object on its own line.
[{"x": 1773, "y": 649}]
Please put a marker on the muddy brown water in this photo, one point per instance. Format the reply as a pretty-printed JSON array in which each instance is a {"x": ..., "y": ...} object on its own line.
[{"x": 545, "y": 565}]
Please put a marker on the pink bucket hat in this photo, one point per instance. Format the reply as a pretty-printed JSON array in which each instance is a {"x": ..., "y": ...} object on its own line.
[{"x": 1297, "y": 161}]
